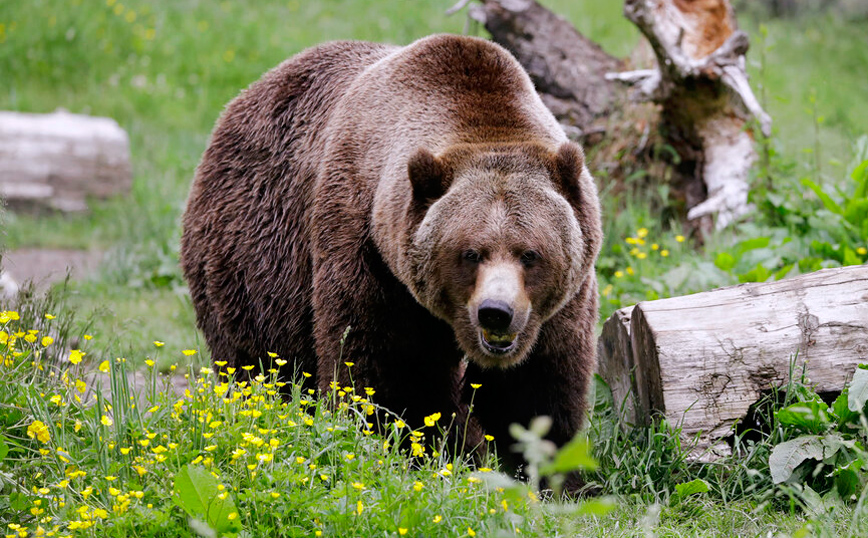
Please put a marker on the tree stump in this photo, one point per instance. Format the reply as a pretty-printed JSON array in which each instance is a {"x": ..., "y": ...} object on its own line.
[
  {"x": 700, "y": 85},
  {"x": 56, "y": 161},
  {"x": 702, "y": 360}
]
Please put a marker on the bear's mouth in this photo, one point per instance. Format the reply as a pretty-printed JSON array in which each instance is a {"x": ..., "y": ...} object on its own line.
[{"x": 497, "y": 343}]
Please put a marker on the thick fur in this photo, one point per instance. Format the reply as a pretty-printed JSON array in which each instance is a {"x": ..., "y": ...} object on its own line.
[{"x": 346, "y": 188}]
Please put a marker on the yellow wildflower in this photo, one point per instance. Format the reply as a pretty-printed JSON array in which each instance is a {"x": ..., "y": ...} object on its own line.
[
  {"x": 39, "y": 431},
  {"x": 47, "y": 341},
  {"x": 430, "y": 420},
  {"x": 75, "y": 356}
]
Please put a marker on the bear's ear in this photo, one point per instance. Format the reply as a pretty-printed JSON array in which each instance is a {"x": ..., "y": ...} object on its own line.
[
  {"x": 429, "y": 177},
  {"x": 570, "y": 160}
]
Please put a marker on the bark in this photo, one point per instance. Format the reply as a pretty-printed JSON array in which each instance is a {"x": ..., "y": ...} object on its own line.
[
  {"x": 702, "y": 86},
  {"x": 702, "y": 360},
  {"x": 615, "y": 365},
  {"x": 705, "y": 101},
  {"x": 56, "y": 161}
]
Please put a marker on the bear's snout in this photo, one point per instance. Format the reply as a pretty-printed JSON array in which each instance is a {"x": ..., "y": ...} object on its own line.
[
  {"x": 499, "y": 308},
  {"x": 495, "y": 315}
]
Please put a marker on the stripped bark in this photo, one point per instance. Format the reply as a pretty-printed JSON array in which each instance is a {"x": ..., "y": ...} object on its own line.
[
  {"x": 702, "y": 86},
  {"x": 702, "y": 89}
]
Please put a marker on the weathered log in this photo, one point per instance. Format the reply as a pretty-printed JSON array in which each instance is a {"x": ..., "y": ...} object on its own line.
[
  {"x": 568, "y": 69},
  {"x": 703, "y": 89},
  {"x": 56, "y": 161},
  {"x": 702, "y": 360},
  {"x": 615, "y": 364}
]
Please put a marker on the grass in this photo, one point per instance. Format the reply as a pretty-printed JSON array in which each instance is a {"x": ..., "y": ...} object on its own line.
[
  {"x": 84, "y": 453},
  {"x": 164, "y": 70}
]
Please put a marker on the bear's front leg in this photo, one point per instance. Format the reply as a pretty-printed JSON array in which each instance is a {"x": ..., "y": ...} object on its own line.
[
  {"x": 552, "y": 380},
  {"x": 395, "y": 346}
]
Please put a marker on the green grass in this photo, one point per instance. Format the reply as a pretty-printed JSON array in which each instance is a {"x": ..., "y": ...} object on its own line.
[{"x": 83, "y": 453}]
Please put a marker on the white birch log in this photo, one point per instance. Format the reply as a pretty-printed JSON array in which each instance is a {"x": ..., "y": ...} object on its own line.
[
  {"x": 56, "y": 161},
  {"x": 701, "y": 360}
]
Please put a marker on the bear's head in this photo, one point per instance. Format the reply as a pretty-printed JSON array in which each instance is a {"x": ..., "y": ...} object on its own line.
[{"x": 500, "y": 238}]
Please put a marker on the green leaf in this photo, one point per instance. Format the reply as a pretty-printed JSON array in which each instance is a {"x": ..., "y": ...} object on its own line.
[
  {"x": 575, "y": 455},
  {"x": 753, "y": 244},
  {"x": 197, "y": 493},
  {"x": 596, "y": 507},
  {"x": 19, "y": 501},
  {"x": 788, "y": 455},
  {"x": 807, "y": 417},
  {"x": 685, "y": 489},
  {"x": 847, "y": 479},
  {"x": 783, "y": 271},
  {"x": 841, "y": 410},
  {"x": 4, "y": 448},
  {"x": 724, "y": 261},
  {"x": 830, "y": 204},
  {"x": 834, "y": 443},
  {"x": 857, "y": 211},
  {"x": 850, "y": 257},
  {"x": 857, "y": 392},
  {"x": 860, "y": 176}
]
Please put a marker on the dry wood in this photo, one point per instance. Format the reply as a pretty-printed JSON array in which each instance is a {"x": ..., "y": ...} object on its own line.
[
  {"x": 701, "y": 360},
  {"x": 56, "y": 161},
  {"x": 702, "y": 86},
  {"x": 615, "y": 364}
]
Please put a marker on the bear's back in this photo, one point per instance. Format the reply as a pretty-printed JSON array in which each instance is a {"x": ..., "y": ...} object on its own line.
[{"x": 245, "y": 247}]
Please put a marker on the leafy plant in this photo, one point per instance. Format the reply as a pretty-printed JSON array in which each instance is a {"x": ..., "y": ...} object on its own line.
[{"x": 824, "y": 445}]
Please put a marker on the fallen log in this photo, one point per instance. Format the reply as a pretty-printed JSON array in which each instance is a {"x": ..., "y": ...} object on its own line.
[
  {"x": 615, "y": 364},
  {"x": 56, "y": 161},
  {"x": 702, "y": 360}
]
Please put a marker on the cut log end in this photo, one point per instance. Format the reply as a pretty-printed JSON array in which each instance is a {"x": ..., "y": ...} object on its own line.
[{"x": 702, "y": 360}]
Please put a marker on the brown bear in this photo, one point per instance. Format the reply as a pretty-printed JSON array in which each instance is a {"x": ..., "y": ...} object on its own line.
[{"x": 424, "y": 198}]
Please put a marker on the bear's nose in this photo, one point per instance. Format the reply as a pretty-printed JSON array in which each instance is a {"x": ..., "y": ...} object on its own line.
[{"x": 495, "y": 315}]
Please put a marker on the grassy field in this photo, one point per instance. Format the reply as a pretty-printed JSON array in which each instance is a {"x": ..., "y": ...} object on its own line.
[{"x": 165, "y": 69}]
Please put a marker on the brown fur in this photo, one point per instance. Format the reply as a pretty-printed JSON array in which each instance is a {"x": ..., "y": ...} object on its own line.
[{"x": 343, "y": 189}]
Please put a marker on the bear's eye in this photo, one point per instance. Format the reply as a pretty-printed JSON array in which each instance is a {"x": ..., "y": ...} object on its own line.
[
  {"x": 530, "y": 258},
  {"x": 472, "y": 256}
]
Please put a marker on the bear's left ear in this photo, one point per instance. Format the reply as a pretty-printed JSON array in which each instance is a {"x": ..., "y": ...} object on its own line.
[
  {"x": 570, "y": 160},
  {"x": 429, "y": 177}
]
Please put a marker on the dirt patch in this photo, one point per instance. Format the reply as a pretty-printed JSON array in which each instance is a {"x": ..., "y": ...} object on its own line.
[{"x": 46, "y": 266}]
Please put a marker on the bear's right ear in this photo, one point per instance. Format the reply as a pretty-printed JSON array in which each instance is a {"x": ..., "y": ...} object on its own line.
[
  {"x": 570, "y": 162},
  {"x": 429, "y": 177}
]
